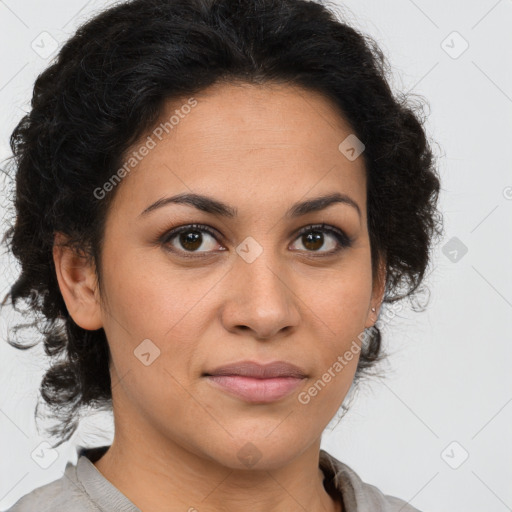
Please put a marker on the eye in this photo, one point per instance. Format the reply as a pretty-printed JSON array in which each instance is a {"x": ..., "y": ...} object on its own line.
[
  {"x": 190, "y": 238},
  {"x": 313, "y": 238}
]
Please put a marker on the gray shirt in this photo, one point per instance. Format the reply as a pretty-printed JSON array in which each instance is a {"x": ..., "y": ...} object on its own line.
[{"x": 82, "y": 488}]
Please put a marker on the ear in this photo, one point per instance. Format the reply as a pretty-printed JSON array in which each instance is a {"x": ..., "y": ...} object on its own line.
[
  {"x": 78, "y": 284},
  {"x": 378, "y": 290}
]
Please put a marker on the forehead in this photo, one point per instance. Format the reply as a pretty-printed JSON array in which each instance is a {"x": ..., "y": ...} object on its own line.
[{"x": 253, "y": 142}]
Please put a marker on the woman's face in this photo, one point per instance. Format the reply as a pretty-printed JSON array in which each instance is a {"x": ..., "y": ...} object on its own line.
[{"x": 249, "y": 287}]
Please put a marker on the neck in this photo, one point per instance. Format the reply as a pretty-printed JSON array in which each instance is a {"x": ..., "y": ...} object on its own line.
[{"x": 160, "y": 475}]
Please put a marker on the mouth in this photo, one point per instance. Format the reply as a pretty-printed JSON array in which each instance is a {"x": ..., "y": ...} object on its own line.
[{"x": 257, "y": 383}]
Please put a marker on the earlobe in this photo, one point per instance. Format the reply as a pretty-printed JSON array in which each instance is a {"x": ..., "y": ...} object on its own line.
[
  {"x": 379, "y": 288},
  {"x": 78, "y": 284}
]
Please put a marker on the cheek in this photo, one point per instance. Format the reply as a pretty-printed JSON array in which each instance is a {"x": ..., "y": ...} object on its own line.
[
  {"x": 339, "y": 313},
  {"x": 340, "y": 299},
  {"x": 151, "y": 300},
  {"x": 147, "y": 294}
]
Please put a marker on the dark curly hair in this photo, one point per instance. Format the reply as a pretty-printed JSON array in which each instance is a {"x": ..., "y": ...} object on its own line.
[{"x": 107, "y": 87}]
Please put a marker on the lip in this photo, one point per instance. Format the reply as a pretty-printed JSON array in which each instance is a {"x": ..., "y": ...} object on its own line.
[
  {"x": 256, "y": 391},
  {"x": 257, "y": 383},
  {"x": 259, "y": 371}
]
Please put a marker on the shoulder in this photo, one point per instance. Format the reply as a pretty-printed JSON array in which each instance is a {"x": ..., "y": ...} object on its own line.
[
  {"x": 57, "y": 496},
  {"x": 360, "y": 496}
]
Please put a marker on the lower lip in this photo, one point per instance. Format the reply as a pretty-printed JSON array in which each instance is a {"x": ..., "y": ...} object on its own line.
[{"x": 256, "y": 390}]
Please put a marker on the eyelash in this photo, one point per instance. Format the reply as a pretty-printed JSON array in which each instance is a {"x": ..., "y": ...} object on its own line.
[{"x": 344, "y": 242}]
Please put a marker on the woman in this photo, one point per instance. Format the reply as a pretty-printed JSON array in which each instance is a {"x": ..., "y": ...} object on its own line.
[{"x": 214, "y": 200}]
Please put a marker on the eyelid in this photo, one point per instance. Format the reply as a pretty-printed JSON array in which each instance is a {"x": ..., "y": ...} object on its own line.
[{"x": 169, "y": 234}]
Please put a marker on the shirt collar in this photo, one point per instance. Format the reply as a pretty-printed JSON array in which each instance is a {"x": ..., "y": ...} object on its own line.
[{"x": 104, "y": 494}]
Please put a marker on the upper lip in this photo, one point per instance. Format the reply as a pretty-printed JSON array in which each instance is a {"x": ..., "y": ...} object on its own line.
[{"x": 259, "y": 371}]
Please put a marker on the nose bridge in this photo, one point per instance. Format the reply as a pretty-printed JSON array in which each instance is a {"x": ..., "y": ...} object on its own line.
[
  {"x": 261, "y": 297},
  {"x": 260, "y": 269}
]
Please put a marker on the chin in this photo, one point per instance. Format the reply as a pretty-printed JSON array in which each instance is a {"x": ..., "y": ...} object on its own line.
[{"x": 256, "y": 452}]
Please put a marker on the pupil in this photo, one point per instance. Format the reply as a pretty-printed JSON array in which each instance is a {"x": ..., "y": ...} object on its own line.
[
  {"x": 315, "y": 239},
  {"x": 190, "y": 240}
]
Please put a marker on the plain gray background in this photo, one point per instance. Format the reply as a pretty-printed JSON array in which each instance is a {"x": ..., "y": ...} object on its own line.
[{"x": 437, "y": 431}]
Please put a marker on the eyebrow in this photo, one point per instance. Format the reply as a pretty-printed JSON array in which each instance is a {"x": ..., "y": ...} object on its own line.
[{"x": 216, "y": 207}]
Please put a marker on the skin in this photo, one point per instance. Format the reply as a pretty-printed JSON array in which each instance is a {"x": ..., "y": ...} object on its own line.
[{"x": 259, "y": 149}]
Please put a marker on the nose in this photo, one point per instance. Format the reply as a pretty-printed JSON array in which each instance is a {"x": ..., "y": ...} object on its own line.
[{"x": 260, "y": 299}]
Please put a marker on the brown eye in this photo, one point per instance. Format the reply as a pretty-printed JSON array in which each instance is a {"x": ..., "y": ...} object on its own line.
[
  {"x": 190, "y": 239},
  {"x": 313, "y": 238}
]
